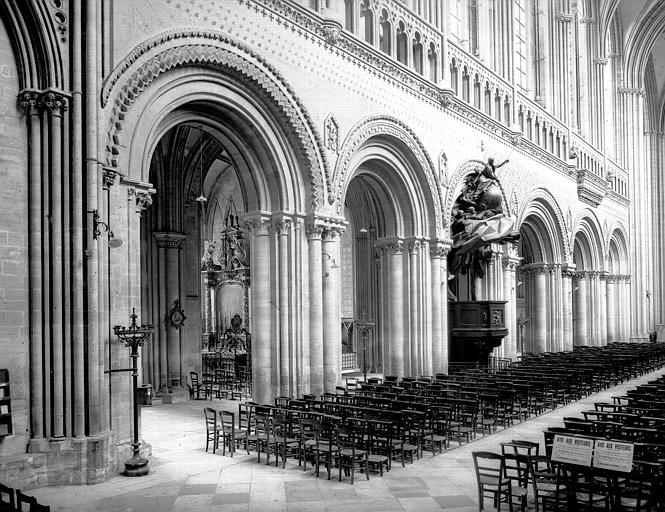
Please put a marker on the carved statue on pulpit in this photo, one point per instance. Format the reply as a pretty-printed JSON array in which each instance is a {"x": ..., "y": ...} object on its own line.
[{"x": 478, "y": 221}]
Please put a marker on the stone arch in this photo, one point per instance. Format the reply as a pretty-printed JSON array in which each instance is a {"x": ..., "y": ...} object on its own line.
[
  {"x": 35, "y": 44},
  {"x": 540, "y": 204},
  {"x": 640, "y": 41},
  {"x": 395, "y": 136},
  {"x": 221, "y": 53},
  {"x": 587, "y": 231},
  {"x": 617, "y": 250}
]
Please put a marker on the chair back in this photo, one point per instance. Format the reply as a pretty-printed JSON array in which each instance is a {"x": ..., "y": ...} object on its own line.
[
  {"x": 211, "y": 419},
  {"x": 25, "y": 503},
  {"x": 227, "y": 421},
  {"x": 7, "y": 500}
]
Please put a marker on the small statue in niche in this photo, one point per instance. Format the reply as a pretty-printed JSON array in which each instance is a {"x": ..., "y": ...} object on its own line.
[
  {"x": 207, "y": 260},
  {"x": 235, "y": 250}
]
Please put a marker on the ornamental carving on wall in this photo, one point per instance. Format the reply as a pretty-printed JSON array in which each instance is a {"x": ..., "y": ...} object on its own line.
[{"x": 218, "y": 51}]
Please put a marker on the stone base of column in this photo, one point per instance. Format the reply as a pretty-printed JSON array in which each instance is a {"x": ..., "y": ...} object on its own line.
[
  {"x": 639, "y": 338},
  {"x": 67, "y": 461}
]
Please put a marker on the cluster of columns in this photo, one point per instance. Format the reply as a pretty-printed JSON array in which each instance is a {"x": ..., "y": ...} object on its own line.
[
  {"x": 567, "y": 307},
  {"x": 413, "y": 305},
  {"x": 166, "y": 367},
  {"x": 57, "y": 352},
  {"x": 632, "y": 155},
  {"x": 500, "y": 283},
  {"x": 295, "y": 268},
  {"x": 548, "y": 306}
]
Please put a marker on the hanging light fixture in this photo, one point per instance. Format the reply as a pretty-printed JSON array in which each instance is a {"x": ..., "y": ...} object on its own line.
[
  {"x": 202, "y": 200},
  {"x": 363, "y": 229}
]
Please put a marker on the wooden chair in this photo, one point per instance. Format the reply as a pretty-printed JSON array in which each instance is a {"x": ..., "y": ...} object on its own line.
[
  {"x": 640, "y": 490},
  {"x": 263, "y": 437},
  {"x": 380, "y": 444},
  {"x": 230, "y": 435},
  {"x": 195, "y": 390},
  {"x": 7, "y": 499},
  {"x": 213, "y": 430},
  {"x": 25, "y": 503},
  {"x": 491, "y": 481},
  {"x": 548, "y": 482},
  {"x": 349, "y": 456},
  {"x": 285, "y": 444},
  {"x": 516, "y": 471}
]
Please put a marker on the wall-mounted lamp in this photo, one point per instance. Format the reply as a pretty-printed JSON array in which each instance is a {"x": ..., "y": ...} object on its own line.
[{"x": 100, "y": 227}]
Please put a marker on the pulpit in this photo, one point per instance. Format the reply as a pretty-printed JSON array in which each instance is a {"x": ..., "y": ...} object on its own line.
[{"x": 476, "y": 328}]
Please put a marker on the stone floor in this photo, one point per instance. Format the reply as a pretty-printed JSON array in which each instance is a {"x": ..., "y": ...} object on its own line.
[{"x": 184, "y": 478}]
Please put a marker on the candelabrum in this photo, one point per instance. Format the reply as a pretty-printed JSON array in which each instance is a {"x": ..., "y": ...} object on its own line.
[
  {"x": 362, "y": 327},
  {"x": 134, "y": 337}
]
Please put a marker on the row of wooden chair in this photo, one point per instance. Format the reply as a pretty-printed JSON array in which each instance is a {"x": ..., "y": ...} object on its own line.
[{"x": 12, "y": 500}]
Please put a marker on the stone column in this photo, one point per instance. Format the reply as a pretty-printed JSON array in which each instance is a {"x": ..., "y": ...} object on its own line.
[
  {"x": 554, "y": 307},
  {"x": 29, "y": 100},
  {"x": 172, "y": 244},
  {"x": 568, "y": 272},
  {"x": 412, "y": 360},
  {"x": 282, "y": 228},
  {"x": 611, "y": 309},
  {"x": 592, "y": 309},
  {"x": 539, "y": 326},
  {"x": 262, "y": 313},
  {"x": 314, "y": 233},
  {"x": 603, "y": 307},
  {"x": 581, "y": 338},
  {"x": 332, "y": 329},
  {"x": 394, "y": 300},
  {"x": 510, "y": 261},
  {"x": 54, "y": 103},
  {"x": 631, "y": 109}
]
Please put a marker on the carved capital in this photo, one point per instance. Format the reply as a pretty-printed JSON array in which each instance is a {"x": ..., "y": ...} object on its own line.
[
  {"x": 28, "y": 100},
  {"x": 55, "y": 102},
  {"x": 440, "y": 248},
  {"x": 564, "y": 17},
  {"x": 600, "y": 61},
  {"x": 332, "y": 233},
  {"x": 108, "y": 177},
  {"x": 282, "y": 225},
  {"x": 314, "y": 231},
  {"x": 637, "y": 91},
  {"x": 258, "y": 225},
  {"x": 587, "y": 21},
  {"x": 390, "y": 246},
  {"x": 568, "y": 271},
  {"x": 414, "y": 246},
  {"x": 169, "y": 240}
]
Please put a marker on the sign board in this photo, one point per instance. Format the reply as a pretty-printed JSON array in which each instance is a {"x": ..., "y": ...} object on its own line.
[
  {"x": 572, "y": 450},
  {"x": 613, "y": 456}
]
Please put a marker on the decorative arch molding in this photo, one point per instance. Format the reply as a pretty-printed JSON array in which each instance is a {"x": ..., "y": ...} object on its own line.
[
  {"x": 541, "y": 203},
  {"x": 619, "y": 234},
  {"x": 381, "y": 126},
  {"x": 640, "y": 40},
  {"x": 587, "y": 223},
  {"x": 456, "y": 181},
  {"x": 35, "y": 44},
  {"x": 177, "y": 49}
]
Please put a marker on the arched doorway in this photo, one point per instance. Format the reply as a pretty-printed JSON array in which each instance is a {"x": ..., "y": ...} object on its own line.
[
  {"x": 543, "y": 287},
  {"x": 228, "y": 130},
  {"x": 396, "y": 261},
  {"x": 589, "y": 299}
]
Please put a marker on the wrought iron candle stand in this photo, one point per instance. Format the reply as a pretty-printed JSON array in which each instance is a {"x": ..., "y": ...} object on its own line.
[
  {"x": 363, "y": 327},
  {"x": 134, "y": 337}
]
